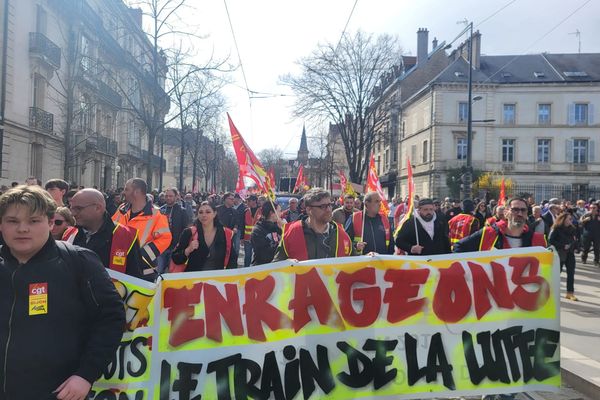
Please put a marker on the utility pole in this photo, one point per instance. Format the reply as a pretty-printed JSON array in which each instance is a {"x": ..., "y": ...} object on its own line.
[{"x": 468, "y": 176}]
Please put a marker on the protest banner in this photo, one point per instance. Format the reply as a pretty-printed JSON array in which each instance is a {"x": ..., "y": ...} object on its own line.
[{"x": 361, "y": 327}]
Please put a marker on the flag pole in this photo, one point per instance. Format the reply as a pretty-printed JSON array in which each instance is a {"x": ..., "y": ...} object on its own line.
[
  {"x": 416, "y": 230},
  {"x": 364, "y": 217}
]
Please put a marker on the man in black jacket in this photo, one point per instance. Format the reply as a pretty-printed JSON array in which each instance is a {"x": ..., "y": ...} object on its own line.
[
  {"x": 428, "y": 238},
  {"x": 591, "y": 234},
  {"x": 178, "y": 221},
  {"x": 95, "y": 230},
  {"x": 61, "y": 318}
]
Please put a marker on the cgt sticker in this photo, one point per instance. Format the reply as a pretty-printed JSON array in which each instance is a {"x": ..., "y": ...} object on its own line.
[{"x": 38, "y": 298}]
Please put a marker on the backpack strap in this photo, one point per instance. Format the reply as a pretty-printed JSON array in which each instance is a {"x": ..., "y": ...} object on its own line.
[{"x": 68, "y": 254}]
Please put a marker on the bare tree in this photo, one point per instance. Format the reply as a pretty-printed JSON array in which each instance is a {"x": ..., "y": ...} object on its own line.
[
  {"x": 337, "y": 84},
  {"x": 148, "y": 97}
]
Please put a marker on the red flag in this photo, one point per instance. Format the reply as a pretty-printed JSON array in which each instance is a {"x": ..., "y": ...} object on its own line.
[
  {"x": 411, "y": 195},
  {"x": 248, "y": 164},
  {"x": 240, "y": 184},
  {"x": 502, "y": 193},
  {"x": 299, "y": 180},
  {"x": 373, "y": 185},
  {"x": 271, "y": 175}
]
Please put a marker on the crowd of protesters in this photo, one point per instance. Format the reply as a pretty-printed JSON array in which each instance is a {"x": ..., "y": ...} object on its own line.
[{"x": 147, "y": 233}]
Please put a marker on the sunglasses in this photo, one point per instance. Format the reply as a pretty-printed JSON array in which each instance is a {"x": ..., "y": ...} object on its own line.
[{"x": 59, "y": 222}]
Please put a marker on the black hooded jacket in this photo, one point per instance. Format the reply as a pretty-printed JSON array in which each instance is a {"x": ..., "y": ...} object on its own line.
[{"x": 76, "y": 331}]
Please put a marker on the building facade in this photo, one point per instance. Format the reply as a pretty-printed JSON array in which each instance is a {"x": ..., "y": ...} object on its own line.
[
  {"x": 77, "y": 73},
  {"x": 534, "y": 120}
]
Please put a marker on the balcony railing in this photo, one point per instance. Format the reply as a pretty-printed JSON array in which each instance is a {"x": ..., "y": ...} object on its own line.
[
  {"x": 107, "y": 146},
  {"x": 41, "y": 120},
  {"x": 154, "y": 160},
  {"x": 44, "y": 48},
  {"x": 134, "y": 150},
  {"x": 109, "y": 94}
]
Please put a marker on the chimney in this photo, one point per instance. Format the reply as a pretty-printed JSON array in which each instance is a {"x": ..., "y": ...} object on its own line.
[
  {"x": 422, "y": 42},
  {"x": 434, "y": 43},
  {"x": 476, "y": 50}
]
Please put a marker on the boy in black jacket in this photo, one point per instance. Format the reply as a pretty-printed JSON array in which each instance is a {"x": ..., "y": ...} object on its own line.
[{"x": 61, "y": 319}]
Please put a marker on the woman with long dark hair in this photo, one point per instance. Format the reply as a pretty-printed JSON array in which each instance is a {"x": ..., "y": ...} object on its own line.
[
  {"x": 563, "y": 237},
  {"x": 482, "y": 213},
  {"x": 206, "y": 245},
  {"x": 266, "y": 235}
]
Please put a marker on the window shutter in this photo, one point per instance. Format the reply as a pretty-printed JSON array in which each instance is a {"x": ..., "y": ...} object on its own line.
[
  {"x": 591, "y": 151},
  {"x": 569, "y": 148},
  {"x": 571, "y": 114},
  {"x": 590, "y": 114}
]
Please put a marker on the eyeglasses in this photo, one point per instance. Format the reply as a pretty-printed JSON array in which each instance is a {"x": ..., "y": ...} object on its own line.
[
  {"x": 80, "y": 208},
  {"x": 322, "y": 206},
  {"x": 518, "y": 210},
  {"x": 59, "y": 222}
]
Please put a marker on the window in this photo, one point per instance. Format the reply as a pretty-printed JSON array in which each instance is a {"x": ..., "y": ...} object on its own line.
[
  {"x": 543, "y": 151},
  {"x": 37, "y": 162},
  {"x": 413, "y": 153},
  {"x": 461, "y": 148},
  {"x": 581, "y": 114},
  {"x": 580, "y": 151},
  {"x": 544, "y": 114},
  {"x": 86, "y": 54},
  {"x": 509, "y": 114},
  {"x": 508, "y": 150},
  {"x": 39, "y": 91},
  {"x": 463, "y": 111},
  {"x": 425, "y": 151}
]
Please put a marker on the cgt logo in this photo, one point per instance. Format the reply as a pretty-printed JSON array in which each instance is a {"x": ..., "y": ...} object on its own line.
[{"x": 38, "y": 289}]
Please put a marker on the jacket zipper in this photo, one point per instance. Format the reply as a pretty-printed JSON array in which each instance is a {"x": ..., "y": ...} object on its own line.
[
  {"x": 89, "y": 284},
  {"x": 12, "y": 309}
]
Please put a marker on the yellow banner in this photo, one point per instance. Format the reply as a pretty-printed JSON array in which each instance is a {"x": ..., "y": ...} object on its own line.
[{"x": 361, "y": 327}]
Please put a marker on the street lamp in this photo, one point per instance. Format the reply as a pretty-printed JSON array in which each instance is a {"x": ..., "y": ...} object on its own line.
[{"x": 468, "y": 176}]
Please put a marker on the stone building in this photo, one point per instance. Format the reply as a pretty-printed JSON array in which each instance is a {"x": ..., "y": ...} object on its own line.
[{"x": 75, "y": 72}]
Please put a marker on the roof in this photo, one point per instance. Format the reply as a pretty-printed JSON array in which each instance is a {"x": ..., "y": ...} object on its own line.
[{"x": 529, "y": 68}]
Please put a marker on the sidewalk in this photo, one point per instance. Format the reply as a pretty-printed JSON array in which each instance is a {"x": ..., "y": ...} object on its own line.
[{"x": 580, "y": 331}]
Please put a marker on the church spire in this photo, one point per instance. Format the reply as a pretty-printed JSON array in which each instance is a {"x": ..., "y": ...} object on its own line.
[{"x": 303, "y": 151}]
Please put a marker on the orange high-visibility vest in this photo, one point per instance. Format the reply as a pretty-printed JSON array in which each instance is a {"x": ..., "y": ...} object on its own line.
[
  {"x": 250, "y": 221},
  {"x": 153, "y": 230}
]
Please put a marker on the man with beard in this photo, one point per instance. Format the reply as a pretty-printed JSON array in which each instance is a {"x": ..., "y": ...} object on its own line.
[
  {"x": 341, "y": 215},
  {"x": 423, "y": 233},
  {"x": 509, "y": 234}
]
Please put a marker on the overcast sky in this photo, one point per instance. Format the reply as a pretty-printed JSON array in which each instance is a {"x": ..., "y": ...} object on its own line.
[{"x": 273, "y": 34}]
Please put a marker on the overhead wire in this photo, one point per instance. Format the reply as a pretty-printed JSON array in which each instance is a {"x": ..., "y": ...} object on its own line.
[{"x": 536, "y": 41}]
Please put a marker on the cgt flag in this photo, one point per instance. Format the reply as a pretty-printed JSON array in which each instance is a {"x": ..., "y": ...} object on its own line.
[
  {"x": 373, "y": 185},
  {"x": 300, "y": 181},
  {"x": 248, "y": 163}
]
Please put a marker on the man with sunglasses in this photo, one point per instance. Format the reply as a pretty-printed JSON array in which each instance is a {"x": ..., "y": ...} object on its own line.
[
  {"x": 115, "y": 244},
  {"x": 315, "y": 236},
  {"x": 504, "y": 234}
]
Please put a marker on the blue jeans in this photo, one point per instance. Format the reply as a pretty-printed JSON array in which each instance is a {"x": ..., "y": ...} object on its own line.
[
  {"x": 163, "y": 261},
  {"x": 247, "y": 253}
]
